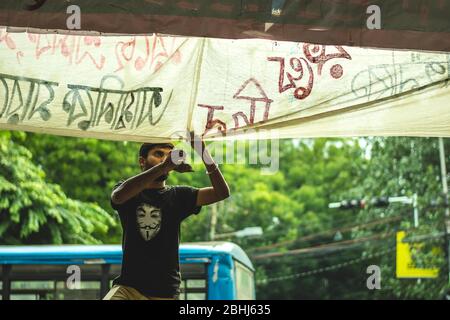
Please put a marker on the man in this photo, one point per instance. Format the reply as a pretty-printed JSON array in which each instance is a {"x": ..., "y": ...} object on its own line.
[{"x": 150, "y": 213}]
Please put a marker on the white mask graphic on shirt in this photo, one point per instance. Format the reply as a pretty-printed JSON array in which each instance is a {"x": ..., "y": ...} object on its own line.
[{"x": 149, "y": 220}]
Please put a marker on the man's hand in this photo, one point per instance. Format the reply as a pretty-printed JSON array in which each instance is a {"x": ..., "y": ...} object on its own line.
[
  {"x": 174, "y": 158},
  {"x": 175, "y": 161}
]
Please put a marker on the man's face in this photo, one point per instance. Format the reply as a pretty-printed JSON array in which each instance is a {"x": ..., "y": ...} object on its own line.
[
  {"x": 155, "y": 156},
  {"x": 149, "y": 220}
]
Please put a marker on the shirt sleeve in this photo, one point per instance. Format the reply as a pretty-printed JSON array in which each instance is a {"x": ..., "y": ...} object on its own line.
[
  {"x": 186, "y": 201},
  {"x": 115, "y": 206}
]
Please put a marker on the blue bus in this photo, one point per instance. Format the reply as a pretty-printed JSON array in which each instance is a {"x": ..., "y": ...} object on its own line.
[{"x": 209, "y": 271}]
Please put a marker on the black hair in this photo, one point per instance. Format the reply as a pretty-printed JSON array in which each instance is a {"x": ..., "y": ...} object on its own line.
[{"x": 146, "y": 147}]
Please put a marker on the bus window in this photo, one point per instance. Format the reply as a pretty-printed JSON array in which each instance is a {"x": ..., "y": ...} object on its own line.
[
  {"x": 195, "y": 296},
  {"x": 49, "y": 282},
  {"x": 191, "y": 283},
  {"x": 54, "y": 290},
  {"x": 244, "y": 282},
  {"x": 88, "y": 290},
  {"x": 193, "y": 290},
  {"x": 194, "y": 282},
  {"x": 31, "y": 290}
]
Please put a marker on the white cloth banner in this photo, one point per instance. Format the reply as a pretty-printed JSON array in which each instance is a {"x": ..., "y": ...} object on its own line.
[{"x": 154, "y": 88}]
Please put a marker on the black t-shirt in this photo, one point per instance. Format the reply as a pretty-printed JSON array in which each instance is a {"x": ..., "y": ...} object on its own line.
[{"x": 151, "y": 237}]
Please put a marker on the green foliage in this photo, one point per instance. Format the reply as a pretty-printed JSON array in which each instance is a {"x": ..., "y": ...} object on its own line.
[
  {"x": 404, "y": 167},
  {"x": 290, "y": 205},
  {"x": 33, "y": 211},
  {"x": 315, "y": 173},
  {"x": 86, "y": 169}
]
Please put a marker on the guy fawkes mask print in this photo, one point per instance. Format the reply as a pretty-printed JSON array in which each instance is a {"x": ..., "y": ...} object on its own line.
[{"x": 148, "y": 220}]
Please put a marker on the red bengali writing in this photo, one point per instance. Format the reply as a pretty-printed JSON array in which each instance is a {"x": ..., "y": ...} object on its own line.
[
  {"x": 145, "y": 53},
  {"x": 258, "y": 100},
  {"x": 296, "y": 76}
]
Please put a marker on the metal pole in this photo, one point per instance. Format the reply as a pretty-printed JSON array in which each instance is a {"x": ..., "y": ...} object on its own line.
[
  {"x": 6, "y": 281},
  {"x": 212, "y": 230},
  {"x": 445, "y": 190},
  {"x": 416, "y": 211},
  {"x": 416, "y": 220}
]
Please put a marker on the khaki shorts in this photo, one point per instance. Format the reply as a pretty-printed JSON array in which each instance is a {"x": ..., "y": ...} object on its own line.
[{"x": 119, "y": 292}]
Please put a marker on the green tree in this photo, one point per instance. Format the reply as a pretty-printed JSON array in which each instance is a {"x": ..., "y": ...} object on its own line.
[
  {"x": 289, "y": 204},
  {"x": 33, "y": 211},
  {"x": 315, "y": 172},
  {"x": 86, "y": 169},
  {"x": 404, "y": 167}
]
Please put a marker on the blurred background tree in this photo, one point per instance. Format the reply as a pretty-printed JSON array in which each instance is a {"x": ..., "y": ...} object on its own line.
[
  {"x": 34, "y": 211},
  {"x": 334, "y": 246},
  {"x": 404, "y": 167}
]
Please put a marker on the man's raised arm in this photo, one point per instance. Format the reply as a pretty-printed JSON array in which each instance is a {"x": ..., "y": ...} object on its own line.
[
  {"x": 219, "y": 190},
  {"x": 136, "y": 184}
]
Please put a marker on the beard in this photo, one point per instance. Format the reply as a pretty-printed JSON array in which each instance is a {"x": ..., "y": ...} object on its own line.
[{"x": 160, "y": 178}]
